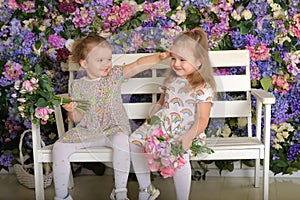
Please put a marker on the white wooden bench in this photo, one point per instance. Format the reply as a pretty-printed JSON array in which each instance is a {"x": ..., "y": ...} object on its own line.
[{"x": 224, "y": 148}]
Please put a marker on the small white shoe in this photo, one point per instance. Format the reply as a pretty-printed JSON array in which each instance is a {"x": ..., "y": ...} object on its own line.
[
  {"x": 68, "y": 197},
  {"x": 152, "y": 191},
  {"x": 115, "y": 191}
]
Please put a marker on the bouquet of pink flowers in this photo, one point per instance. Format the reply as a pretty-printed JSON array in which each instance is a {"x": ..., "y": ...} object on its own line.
[
  {"x": 164, "y": 152},
  {"x": 35, "y": 97}
]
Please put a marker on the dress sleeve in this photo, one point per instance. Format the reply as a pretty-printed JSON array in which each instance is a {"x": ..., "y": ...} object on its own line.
[
  {"x": 74, "y": 90},
  {"x": 204, "y": 94},
  {"x": 118, "y": 71}
]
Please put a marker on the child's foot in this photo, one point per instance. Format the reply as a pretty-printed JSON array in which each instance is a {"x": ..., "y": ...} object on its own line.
[
  {"x": 119, "y": 194},
  {"x": 150, "y": 193},
  {"x": 68, "y": 197}
]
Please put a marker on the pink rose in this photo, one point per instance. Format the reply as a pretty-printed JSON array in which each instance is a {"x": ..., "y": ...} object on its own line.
[
  {"x": 43, "y": 113},
  {"x": 157, "y": 133},
  {"x": 27, "y": 86},
  {"x": 181, "y": 161},
  {"x": 166, "y": 162},
  {"x": 153, "y": 165},
  {"x": 167, "y": 172}
]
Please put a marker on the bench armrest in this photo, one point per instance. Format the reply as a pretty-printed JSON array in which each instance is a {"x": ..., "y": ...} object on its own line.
[{"x": 263, "y": 96}]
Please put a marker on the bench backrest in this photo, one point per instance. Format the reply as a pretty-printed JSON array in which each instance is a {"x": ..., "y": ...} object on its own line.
[{"x": 141, "y": 85}]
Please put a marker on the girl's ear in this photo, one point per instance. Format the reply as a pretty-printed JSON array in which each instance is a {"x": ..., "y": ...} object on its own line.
[{"x": 83, "y": 63}]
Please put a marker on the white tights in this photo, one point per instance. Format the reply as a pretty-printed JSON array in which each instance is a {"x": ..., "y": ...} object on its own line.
[
  {"x": 121, "y": 162},
  {"x": 182, "y": 177}
]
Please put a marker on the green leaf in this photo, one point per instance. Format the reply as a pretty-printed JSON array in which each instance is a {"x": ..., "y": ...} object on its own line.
[
  {"x": 41, "y": 102},
  {"x": 281, "y": 163},
  {"x": 266, "y": 83},
  {"x": 174, "y": 4},
  {"x": 56, "y": 102},
  {"x": 140, "y": 1},
  {"x": 153, "y": 120},
  {"x": 38, "y": 69}
]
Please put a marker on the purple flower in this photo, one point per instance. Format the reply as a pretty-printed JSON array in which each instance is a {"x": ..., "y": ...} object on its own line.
[
  {"x": 56, "y": 41},
  {"x": 238, "y": 40},
  {"x": 67, "y": 7},
  {"x": 6, "y": 159},
  {"x": 164, "y": 149},
  {"x": 293, "y": 151},
  {"x": 275, "y": 157}
]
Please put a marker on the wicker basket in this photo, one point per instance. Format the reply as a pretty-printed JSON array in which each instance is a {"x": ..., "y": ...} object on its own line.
[{"x": 23, "y": 176}]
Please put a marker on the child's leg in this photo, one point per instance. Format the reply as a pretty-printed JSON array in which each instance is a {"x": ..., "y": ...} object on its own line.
[
  {"x": 141, "y": 169},
  {"x": 182, "y": 180},
  {"x": 61, "y": 167},
  {"x": 121, "y": 162},
  {"x": 61, "y": 164}
]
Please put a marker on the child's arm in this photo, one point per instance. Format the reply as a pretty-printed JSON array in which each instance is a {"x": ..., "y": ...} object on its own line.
[
  {"x": 144, "y": 63},
  {"x": 158, "y": 104},
  {"x": 74, "y": 114},
  {"x": 201, "y": 122}
]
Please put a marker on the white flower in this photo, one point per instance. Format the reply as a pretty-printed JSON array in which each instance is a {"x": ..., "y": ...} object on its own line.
[
  {"x": 285, "y": 134},
  {"x": 247, "y": 14},
  {"x": 42, "y": 28},
  {"x": 22, "y": 100},
  {"x": 279, "y": 137},
  {"x": 179, "y": 17},
  {"x": 105, "y": 34},
  {"x": 235, "y": 16},
  {"x": 69, "y": 44},
  {"x": 21, "y": 108},
  {"x": 242, "y": 122},
  {"x": 277, "y": 146}
]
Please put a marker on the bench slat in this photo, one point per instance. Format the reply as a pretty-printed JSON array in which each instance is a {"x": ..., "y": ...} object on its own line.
[{"x": 220, "y": 109}]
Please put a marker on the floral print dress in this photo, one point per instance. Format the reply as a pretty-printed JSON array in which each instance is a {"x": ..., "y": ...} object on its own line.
[
  {"x": 106, "y": 114},
  {"x": 178, "y": 112}
]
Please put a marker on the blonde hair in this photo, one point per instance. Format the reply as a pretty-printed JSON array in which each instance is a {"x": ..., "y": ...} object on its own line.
[
  {"x": 200, "y": 52},
  {"x": 83, "y": 46}
]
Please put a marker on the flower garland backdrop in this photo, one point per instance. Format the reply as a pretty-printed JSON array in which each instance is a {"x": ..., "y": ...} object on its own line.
[{"x": 35, "y": 40}]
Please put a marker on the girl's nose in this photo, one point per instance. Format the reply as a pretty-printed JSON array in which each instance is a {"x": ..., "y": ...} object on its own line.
[{"x": 176, "y": 62}]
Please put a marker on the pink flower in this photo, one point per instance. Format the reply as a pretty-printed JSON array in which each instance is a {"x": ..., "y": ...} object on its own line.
[
  {"x": 167, "y": 172},
  {"x": 153, "y": 165},
  {"x": 261, "y": 52},
  {"x": 280, "y": 83},
  {"x": 12, "y": 71},
  {"x": 12, "y": 4},
  {"x": 166, "y": 162},
  {"x": 295, "y": 27},
  {"x": 43, "y": 113},
  {"x": 181, "y": 161},
  {"x": 27, "y": 86}
]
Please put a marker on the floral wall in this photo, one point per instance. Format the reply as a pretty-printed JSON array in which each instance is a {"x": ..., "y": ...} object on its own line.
[{"x": 35, "y": 39}]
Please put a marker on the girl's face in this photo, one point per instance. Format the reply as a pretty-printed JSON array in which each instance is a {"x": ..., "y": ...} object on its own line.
[
  {"x": 182, "y": 66},
  {"x": 98, "y": 62},
  {"x": 182, "y": 62}
]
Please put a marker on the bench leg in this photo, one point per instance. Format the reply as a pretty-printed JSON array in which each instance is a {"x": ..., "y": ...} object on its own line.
[
  {"x": 39, "y": 182},
  {"x": 267, "y": 128},
  {"x": 38, "y": 166},
  {"x": 256, "y": 173}
]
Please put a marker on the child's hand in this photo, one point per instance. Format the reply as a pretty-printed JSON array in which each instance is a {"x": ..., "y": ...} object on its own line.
[
  {"x": 70, "y": 106},
  {"x": 187, "y": 140},
  {"x": 164, "y": 55}
]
